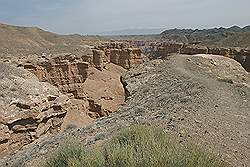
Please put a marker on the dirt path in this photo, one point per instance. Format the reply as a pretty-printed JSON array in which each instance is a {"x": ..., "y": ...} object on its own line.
[{"x": 229, "y": 131}]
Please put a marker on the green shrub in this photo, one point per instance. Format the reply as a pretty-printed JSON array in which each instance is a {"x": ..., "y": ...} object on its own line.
[
  {"x": 74, "y": 155},
  {"x": 136, "y": 146}
]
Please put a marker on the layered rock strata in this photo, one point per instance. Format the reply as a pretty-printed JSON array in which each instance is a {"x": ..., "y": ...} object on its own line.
[
  {"x": 161, "y": 50},
  {"x": 121, "y": 54},
  {"x": 28, "y": 108},
  {"x": 69, "y": 72},
  {"x": 50, "y": 93},
  {"x": 94, "y": 78}
]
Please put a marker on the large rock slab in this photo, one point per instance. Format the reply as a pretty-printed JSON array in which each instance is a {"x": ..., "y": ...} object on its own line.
[{"x": 26, "y": 107}]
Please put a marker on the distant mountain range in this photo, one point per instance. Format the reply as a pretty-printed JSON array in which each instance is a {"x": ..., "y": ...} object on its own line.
[
  {"x": 233, "y": 36},
  {"x": 134, "y": 32},
  {"x": 16, "y": 39}
]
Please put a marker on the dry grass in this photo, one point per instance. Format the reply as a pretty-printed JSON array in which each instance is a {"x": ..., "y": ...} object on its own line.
[{"x": 137, "y": 146}]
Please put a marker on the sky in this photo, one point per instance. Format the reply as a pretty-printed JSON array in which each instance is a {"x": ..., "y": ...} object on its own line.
[{"x": 89, "y": 17}]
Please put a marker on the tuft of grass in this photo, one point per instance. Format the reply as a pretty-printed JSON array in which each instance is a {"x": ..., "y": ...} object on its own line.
[
  {"x": 136, "y": 146},
  {"x": 74, "y": 155}
]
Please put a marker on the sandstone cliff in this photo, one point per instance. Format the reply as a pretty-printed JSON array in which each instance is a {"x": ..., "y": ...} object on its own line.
[
  {"x": 84, "y": 88},
  {"x": 28, "y": 108},
  {"x": 94, "y": 78},
  {"x": 121, "y": 54},
  {"x": 160, "y": 50}
]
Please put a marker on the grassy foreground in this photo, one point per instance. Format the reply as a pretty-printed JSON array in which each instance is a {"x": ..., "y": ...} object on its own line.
[{"x": 136, "y": 146}]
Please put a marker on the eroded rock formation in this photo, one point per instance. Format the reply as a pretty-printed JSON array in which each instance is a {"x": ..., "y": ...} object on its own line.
[
  {"x": 28, "y": 108},
  {"x": 121, "y": 54},
  {"x": 65, "y": 71},
  {"x": 161, "y": 50},
  {"x": 202, "y": 99},
  {"x": 93, "y": 77},
  {"x": 194, "y": 49},
  {"x": 69, "y": 72},
  {"x": 50, "y": 93}
]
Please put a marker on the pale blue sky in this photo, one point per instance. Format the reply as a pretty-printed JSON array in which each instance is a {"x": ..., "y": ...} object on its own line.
[{"x": 94, "y": 16}]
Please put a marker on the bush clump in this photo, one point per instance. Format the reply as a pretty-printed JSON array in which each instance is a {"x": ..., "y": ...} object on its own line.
[{"x": 136, "y": 146}]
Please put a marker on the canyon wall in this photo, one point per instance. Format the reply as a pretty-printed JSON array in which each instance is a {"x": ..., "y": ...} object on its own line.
[
  {"x": 69, "y": 72},
  {"x": 49, "y": 93},
  {"x": 119, "y": 53},
  {"x": 28, "y": 108},
  {"x": 163, "y": 49},
  {"x": 78, "y": 75}
]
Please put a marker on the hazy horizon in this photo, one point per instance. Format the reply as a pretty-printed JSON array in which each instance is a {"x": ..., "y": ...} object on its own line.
[{"x": 97, "y": 16}]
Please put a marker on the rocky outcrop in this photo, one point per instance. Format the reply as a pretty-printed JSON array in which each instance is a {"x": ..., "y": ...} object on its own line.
[
  {"x": 78, "y": 74},
  {"x": 220, "y": 51},
  {"x": 103, "y": 90},
  {"x": 170, "y": 48},
  {"x": 95, "y": 81},
  {"x": 243, "y": 57},
  {"x": 194, "y": 49},
  {"x": 246, "y": 63},
  {"x": 161, "y": 50},
  {"x": 121, "y": 54},
  {"x": 239, "y": 54},
  {"x": 100, "y": 59},
  {"x": 28, "y": 108},
  {"x": 66, "y": 71},
  {"x": 50, "y": 93}
]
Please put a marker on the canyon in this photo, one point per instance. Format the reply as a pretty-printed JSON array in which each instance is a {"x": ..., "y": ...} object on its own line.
[
  {"x": 88, "y": 87},
  {"x": 55, "y": 87},
  {"x": 202, "y": 99}
]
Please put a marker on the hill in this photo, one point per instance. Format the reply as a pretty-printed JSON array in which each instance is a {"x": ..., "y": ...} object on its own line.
[
  {"x": 225, "y": 37},
  {"x": 17, "y": 40}
]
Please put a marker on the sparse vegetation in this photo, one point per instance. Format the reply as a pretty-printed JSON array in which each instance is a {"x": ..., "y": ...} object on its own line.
[{"x": 137, "y": 146}]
